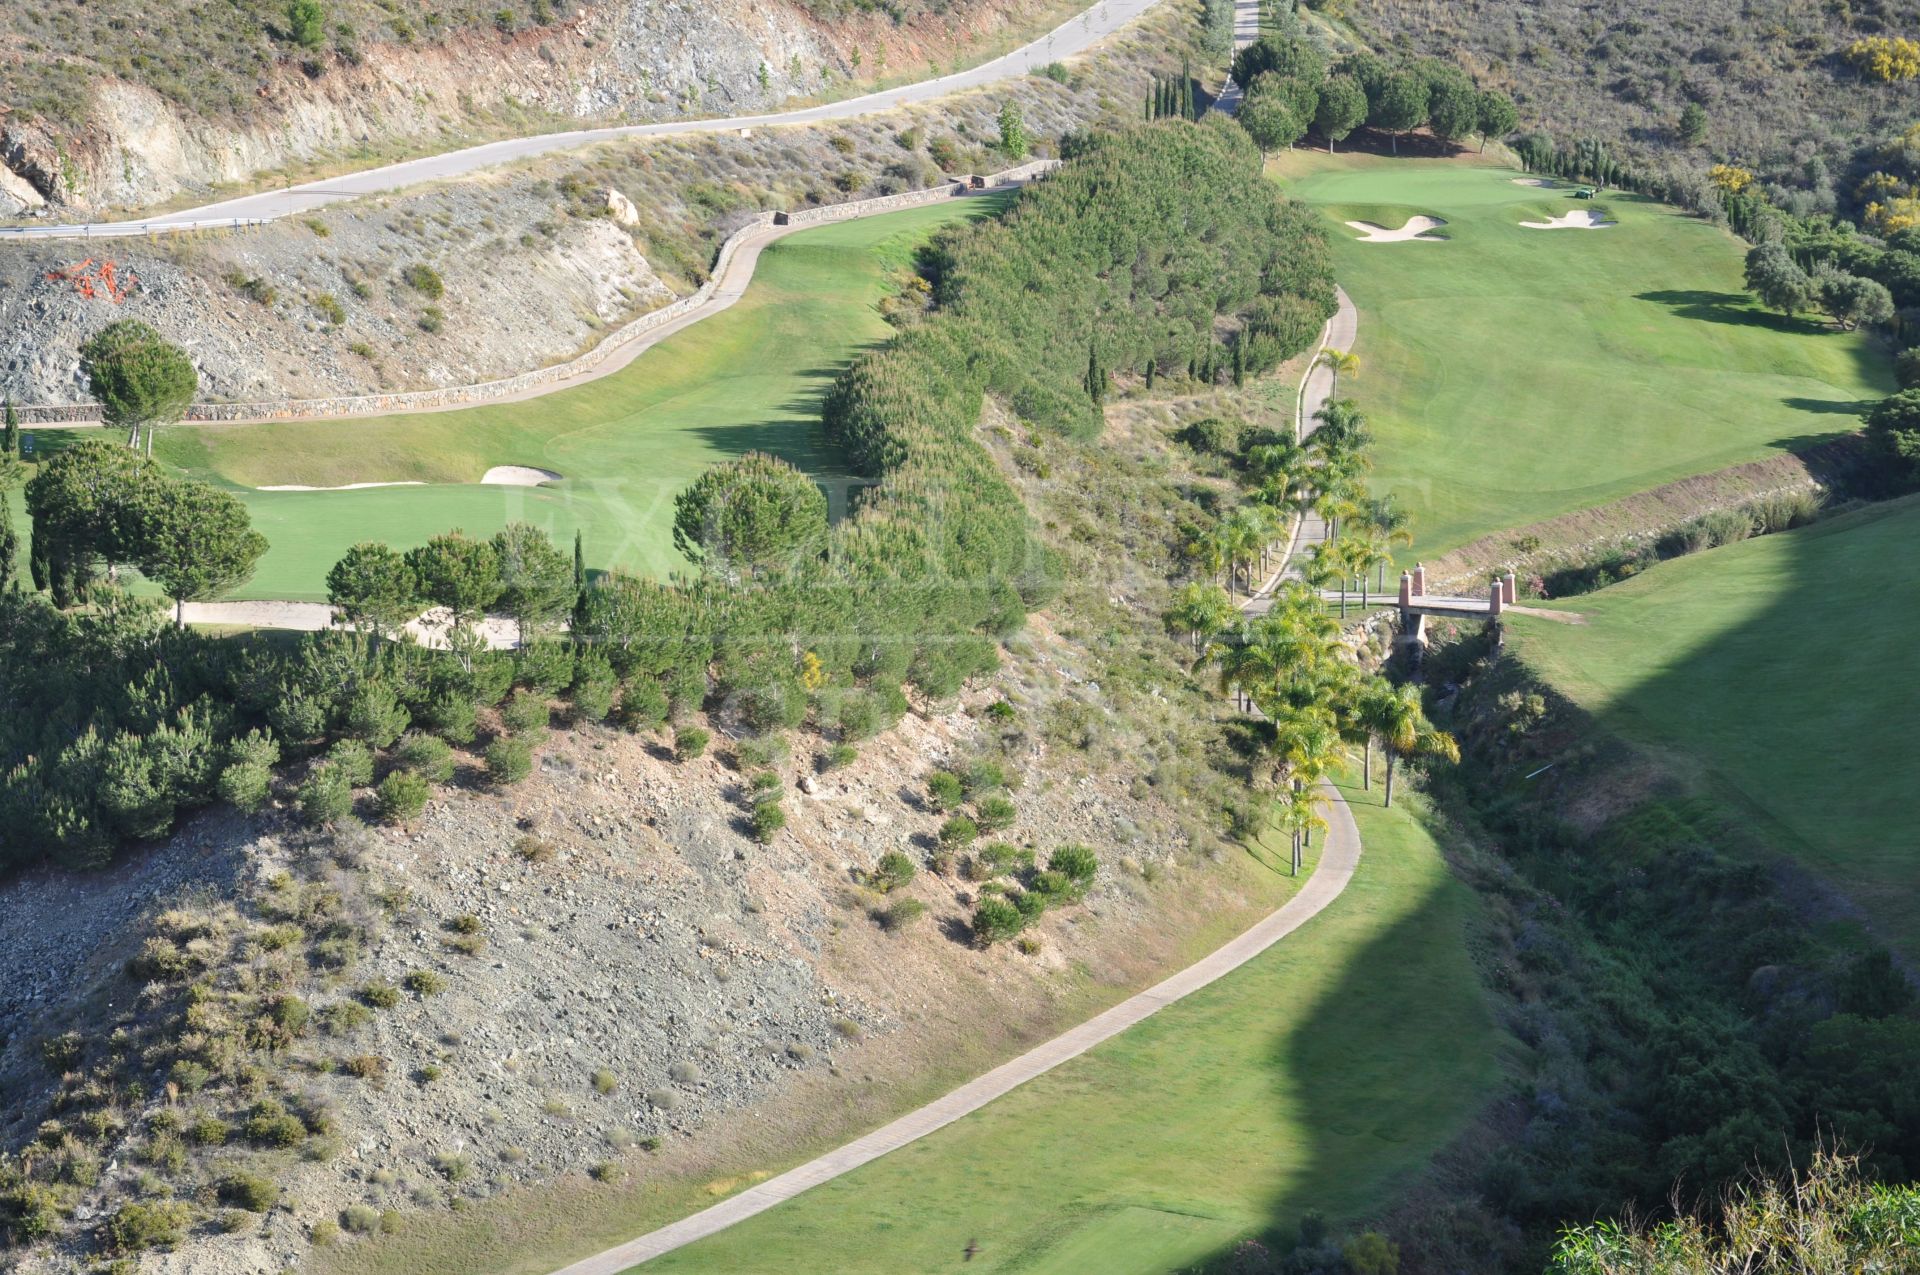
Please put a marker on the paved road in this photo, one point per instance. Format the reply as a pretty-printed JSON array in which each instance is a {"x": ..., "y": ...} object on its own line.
[
  {"x": 1339, "y": 856},
  {"x": 1073, "y": 36}
]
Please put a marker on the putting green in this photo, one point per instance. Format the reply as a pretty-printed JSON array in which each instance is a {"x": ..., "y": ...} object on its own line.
[
  {"x": 1772, "y": 668},
  {"x": 1513, "y": 374},
  {"x": 1321, "y": 1075},
  {"x": 748, "y": 379}
]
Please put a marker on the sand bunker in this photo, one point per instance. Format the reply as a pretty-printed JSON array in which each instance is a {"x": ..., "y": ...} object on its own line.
[
  {"x": 518, "y": 476},
  {"x": 343, "y": 487},
  {"x": 1416, "y": 228},
  {"x": 1579, "y": 219},
  {"x": 1533, "y": 181}
]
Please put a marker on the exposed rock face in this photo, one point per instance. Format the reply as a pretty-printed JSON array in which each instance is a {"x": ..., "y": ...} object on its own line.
[{"x": 622, "y": 60}]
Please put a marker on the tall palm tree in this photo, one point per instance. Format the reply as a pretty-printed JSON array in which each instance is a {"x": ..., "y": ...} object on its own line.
[
  {"x": 1249, "y": 530},
  {"x": 1300, "y": 815},
  {"x": 1202, "y": 610},
  {"x": 1393, "y": 525},
  {"x": 1364, "y": 553},
  {"x": 1340, "y": 363},
  {"x": 1208, "y": 552},
  {"x": 1406, "y": 733},
  {"x": 1374, "y": 708}
]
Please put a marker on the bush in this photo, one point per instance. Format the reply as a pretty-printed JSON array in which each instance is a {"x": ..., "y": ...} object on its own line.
[
  {"x": 840, "y": 756},
  {"x": 424, "y": 983},
  {"x": 374, "y": 716},
  {"x": 209, "y": 1131},
  {"x": 995, "y": 921},
  {"x": 509, "y": 760},
  {"x": 402, "y": 796},
  {"x": 534, "y": 849},
  {"x": 1906, "y": 368},
  {"x": 526, "y": 712},
  {"x": 354, "y": 760},
  {"x": 764, "y": 786},
  {"x": 1030, "y": 904},
  {"x": 899, "y": 914},
  {"x": 994, "y": 814},
  {"x": 944, "y": 791},
  {"x": 425, "y": 280},
  {"x": 1076, "y": 863},
  {"x": 984, "y": 776},
  {"x": 360, "y": 1219},
  {"x": 429, "y": 757},
  {"x": 605, "y": 1082},
  {"x": 326, "y": 797},
  {"x": 689, "y": 742},
  {"x": 958, "y": 833},
  {"x": 380, "y": 995},
  {"x": 248, "y": 1191},
  {"x": 450, "y": 715},
  {"x": 548, "y": 667},
  {"x": 643, "y": 705},
  {"x": 272, "y": 1125},
  {"x": 246, "y": 785},
  {"x": 767, "y": 820},
  {"x": 142, "y": 1226},
  {"x": 893, "y": 871},
  {"x": 760, "y": 752},
  {"x": 365, "y": 1067}
]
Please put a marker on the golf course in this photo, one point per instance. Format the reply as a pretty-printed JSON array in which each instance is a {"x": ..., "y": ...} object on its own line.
[
  {"x": 1717, "y": 659},
  {"x": 1318, "y": 1077},
  {"x": 1512, "y": 373},
  {"x": 747, "y": 379}
]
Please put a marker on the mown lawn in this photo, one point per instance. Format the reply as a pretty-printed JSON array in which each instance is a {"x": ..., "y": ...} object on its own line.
[
  {"x": 747, "y": 379},
  {"x": 1318, "y": 1077},
  {"x": 1779, "y": 670},
  {"x": 1512, "y": 374}
]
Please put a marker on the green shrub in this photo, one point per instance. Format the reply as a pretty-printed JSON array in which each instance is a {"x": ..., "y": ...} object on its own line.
[
  {"x": 958, "y": 833},
  {"x": 893, "y": 871},
  {"x": 526, "y": 712},
  {"x": 606, "y": 1171},
  {"x": 1054, "y": 887},
  {"x": 326, "y": 797},
  {"x": 594, "y": 687},
  {"x": 354, "y": 760},
  {"x": 1077, "y": 863},
  {"x": 509, "y": 760},
  {"x": 767, "y": 820},
  {"x": 534, "y": 849},
  {"x": 28, "y": 1212},
  {"x": 401, "y": 796},
  {"x": 1906, "y": 368},
  {"x": 944, "y": 791},
  {"x": 900, "y": 913},
  {"x": 995, "y": 920},
  {"x": 450, "y": 715},
  {"x": 425, "y": 280},
  {"x": 380, "y": 995},
  {"x": 982, "y": 777},
  {"x": 689, "y": 742},
  {"x": 1002, "y": 711},
  {"x": 209, "y": 1131},
  {"x": 325, "y": 1233},
  {"x": 841, "y": 756},
  {"x": 248, "y": 1191},
  {"x": 360, "y": 1219},
  {"x": 364, "y": 1067},
  {"x": 424, "y": 983},
  {"x": 1030, "y": 904},
  {"x": 148, "y": 1225},
  {"x": 760, "y": 752},
  {"x": 605, "y": 1082},
  {"x": 545, "y": 666},
  {"x": 994, "y": 814},
  {"x": 643, "y": 704},
  {"x": 764, "y": 786},
  {"x": 429, "y": 757},
  {"x": 271, "y": 1125},
  {"x": 375, "y": 717},
  {"x": 247, "y": 786}
]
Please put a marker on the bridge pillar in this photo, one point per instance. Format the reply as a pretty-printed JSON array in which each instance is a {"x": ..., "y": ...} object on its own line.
[
  {"x": 1506, "y": 588},
  {"x": 1406, "y": 590},
  {"x": 1496, "y": 598},
  {"x": 1419, "y": 579}
]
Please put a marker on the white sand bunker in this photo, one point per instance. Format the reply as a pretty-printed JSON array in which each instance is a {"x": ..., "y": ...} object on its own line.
[
  {"x": 342, "y": 487},
  {"x": 1580, "y": 219},
  {"x": 1533, "y": 181},
  {"x": 1416, "y": 228},
  {"x": 518, "y": 476}
]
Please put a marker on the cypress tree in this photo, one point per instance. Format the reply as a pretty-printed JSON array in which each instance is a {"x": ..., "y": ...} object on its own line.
[
  {"x": 10, "y": 440},
  {"x": 1152, "y": 368},
  {"x": 1096, "y": 376},
  {"x": 1189, "y": 108},
  {"x": 9, "y": 544},
  {"x": 1239, "y": 364},
  {"x": 37, "y": 564},
  {"x": 579, "y": 579}
]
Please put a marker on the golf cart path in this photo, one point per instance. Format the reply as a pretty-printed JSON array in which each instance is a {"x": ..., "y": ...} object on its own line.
[
  {"x": 1071, "y": 37},
  {"x": 1339, "y": 858},
  {"x": 1340, "y": 855}
]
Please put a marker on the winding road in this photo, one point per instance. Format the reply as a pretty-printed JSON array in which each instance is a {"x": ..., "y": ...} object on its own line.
[
  {"x": 1071, "y": 37},
  {"x": 1339, "y": 858}
]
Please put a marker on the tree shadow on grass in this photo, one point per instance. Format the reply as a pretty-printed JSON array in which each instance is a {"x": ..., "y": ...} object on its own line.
[
  {"x": 1736, "y": 308},
  {"x": 1831, "y": 406}
]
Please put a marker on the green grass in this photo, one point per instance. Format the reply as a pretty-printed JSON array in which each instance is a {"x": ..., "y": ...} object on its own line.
[
  {"x": 1773, "y": 669},
  {"x": 1322, "y": 1075},
  {"x": 747, "y": 379},
  {"x": 1513, "y": 374}
]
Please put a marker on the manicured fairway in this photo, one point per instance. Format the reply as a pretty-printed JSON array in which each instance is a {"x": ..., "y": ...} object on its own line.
[
  {"x": 1513, "y": 374},
  {"x": 1319, "y": 1076},
  {"x": 747, "y": 379},
  {"x": 1781, "y": 668}
]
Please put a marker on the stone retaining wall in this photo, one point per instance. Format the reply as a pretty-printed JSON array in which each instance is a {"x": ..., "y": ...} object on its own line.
[{"x": 507, "y": 387}]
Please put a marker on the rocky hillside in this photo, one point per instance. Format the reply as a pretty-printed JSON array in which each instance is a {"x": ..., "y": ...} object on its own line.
[
  {"x": 533, "y": 263},
  {"x": 132, "y": 103}
]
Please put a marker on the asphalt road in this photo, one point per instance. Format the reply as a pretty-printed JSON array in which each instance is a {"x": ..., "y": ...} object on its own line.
[{"x": 1073, "y": 36}]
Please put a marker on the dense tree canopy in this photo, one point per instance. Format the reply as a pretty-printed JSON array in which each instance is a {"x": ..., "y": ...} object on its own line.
[
  {"x": 749, "y": 515},
  {"x": 139, "y": 377}
]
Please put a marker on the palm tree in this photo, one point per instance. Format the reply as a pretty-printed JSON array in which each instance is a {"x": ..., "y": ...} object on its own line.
[
  {"x": 1374, "y": 708},
  {"x": 1406, "y": 732},
  {"x": 1208, "y": 552},
  {"x": 1364, "y": 553},
  {"x": 1393, "y": 525},
  {"x": 1201, "y": 610},
  {"x": 1340, "y": 363},
  {"x": 1248, "y": 531},
  {"x": 1300, "y": 815}
]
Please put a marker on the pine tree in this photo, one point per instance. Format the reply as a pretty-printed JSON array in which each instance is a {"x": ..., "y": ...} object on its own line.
[
  {"x": 1096, "y": 376},
  {"x": 1152, "y": 370},
  {"x": 579, "y": 578},
  {"x": 1239, "y": 364}
]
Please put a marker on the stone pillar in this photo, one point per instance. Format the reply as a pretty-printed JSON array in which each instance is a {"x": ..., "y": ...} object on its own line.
[
  {"x": 1406, "y": 589},
  {"x": 1506, "y": 589},
  {"x": 1496, "y": 596},
  {"x": 1419, "y": 579}
]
